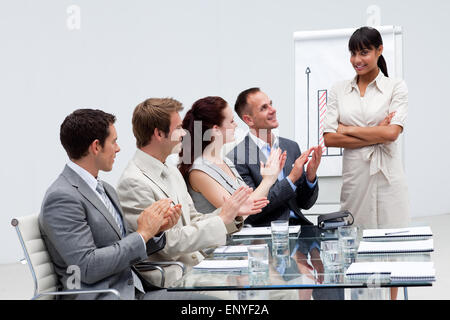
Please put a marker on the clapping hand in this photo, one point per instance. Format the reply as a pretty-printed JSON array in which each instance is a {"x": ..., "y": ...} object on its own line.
[
  {"x": 313, "y": 164},
  {"x": 151, "y": 219},
  {"x": 171, "y": 217},
  {"x": 275, "y": 163},
  {"x": 240, "y": 204}
]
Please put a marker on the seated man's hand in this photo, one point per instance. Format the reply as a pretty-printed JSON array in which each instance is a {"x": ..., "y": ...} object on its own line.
[
  {"x": 313, "y": 164},
  {"x": 171, "y": 217},
  {"x": 297, "y": 168},
  {"x": 275, "y": 163},
  {"x": 151, "y": 219}
]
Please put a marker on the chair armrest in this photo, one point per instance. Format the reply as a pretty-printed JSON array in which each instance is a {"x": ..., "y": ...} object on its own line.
[
  {"x": 158, "y": 265},
  {"x": 71, "y": 292}
]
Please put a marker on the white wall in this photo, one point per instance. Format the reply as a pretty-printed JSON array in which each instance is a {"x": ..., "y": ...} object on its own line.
[{"x": 127, "y": 51}]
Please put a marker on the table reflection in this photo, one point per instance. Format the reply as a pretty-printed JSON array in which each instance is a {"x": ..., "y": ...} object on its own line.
[{"x": 299, "y": 272}]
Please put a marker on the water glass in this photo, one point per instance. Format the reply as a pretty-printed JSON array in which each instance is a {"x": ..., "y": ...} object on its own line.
[
  {"x": 331, "y": 255},
  {"x": 258, "y": 261},
  {"x": 280, "y": 237},
  {"x": 347, "y": 236}
]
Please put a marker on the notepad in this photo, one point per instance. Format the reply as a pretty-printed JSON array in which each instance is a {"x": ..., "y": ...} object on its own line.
[
  {"x": 263, "y": 231},
  {"x": 421, "y": 246},
  {"x": 222, "y": 265},
  {"x": 396, "y": 271},
  {"x": 231, "y": 250},
  {"x": 413, "y": 233}
]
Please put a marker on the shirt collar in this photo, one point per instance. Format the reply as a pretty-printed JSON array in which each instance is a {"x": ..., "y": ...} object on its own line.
[
  {"x": 90, "y": 180},
  {"x": 261, "y": 143},
  {"x": 150, "y": 164},
  {"x": 378, "y": 81}
]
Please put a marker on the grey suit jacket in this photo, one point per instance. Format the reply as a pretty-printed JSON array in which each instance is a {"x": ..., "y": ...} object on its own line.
[
  {"x": 80, "y": 231},
  {"x": 247, "y": 156}
]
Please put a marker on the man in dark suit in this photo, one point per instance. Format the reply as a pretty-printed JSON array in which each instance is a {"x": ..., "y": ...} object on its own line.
[
  {"x": 296, "y": 188},
  {"x": 82, "y": 223}
]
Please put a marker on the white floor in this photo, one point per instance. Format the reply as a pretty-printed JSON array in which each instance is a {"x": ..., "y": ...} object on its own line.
[{"x": 16, "y": 282}]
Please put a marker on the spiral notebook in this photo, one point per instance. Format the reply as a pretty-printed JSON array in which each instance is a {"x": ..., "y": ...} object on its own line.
[
  {"x": 222, "y": 265},
  {"x": 231, "y": 250},
  {"x": 413, "y": 233},
  {"x": 396, "y": 271},
  {"x": 263, "y": 231},
  {"x": 421, "y": 246}
]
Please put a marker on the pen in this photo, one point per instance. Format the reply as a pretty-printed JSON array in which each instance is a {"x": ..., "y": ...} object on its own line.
[{"x": 389, "y": 233}]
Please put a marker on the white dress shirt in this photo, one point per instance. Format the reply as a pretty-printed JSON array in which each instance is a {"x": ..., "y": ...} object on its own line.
[{"x": 262, "y": 145}]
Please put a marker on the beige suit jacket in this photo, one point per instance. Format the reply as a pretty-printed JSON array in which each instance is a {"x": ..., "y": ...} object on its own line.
[{"x": 143, "y": 182}]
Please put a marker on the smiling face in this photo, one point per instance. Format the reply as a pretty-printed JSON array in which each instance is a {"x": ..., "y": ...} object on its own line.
[
  {"x": 262, "y": 114},
  {"x": 172, "y": 143},
  {"x": 106, "y": 155},
  {"x": 228, "y": 125},
  {"x": 365, "y": 61}
]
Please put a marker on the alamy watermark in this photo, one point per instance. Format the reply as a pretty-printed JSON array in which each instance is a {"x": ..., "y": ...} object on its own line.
[
  {"x": 73, "y": 21},
  {"x": 73, "y": 282}
]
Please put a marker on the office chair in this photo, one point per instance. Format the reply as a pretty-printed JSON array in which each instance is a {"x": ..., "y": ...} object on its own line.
[{"x": 41, "y": 266}]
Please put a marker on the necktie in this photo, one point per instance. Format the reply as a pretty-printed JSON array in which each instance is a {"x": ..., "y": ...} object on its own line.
[
  {"x": 165, "y": 172},
  {"x": 109, "y": 205},
  {"x": 165, "y": 176}
]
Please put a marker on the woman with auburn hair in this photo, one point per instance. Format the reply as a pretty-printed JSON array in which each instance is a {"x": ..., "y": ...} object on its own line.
[{"x": 211, "y": 177}]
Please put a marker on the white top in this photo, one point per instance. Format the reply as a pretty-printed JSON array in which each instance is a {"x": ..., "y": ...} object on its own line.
[
  {"x": 374, "y": 186},
  {"x": 383, "y": 96}
]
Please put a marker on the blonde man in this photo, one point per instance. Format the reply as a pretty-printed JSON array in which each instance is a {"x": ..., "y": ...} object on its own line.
[{"x": 148, "y": 178}]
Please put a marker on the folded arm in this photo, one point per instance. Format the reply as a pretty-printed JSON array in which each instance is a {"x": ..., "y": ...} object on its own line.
[
  {"x": 339, "y": 140},
  {"x": 373, "y": 135}
]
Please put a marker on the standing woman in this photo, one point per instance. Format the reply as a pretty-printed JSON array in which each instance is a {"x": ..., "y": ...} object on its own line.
[{"x": 365, "y": 116}]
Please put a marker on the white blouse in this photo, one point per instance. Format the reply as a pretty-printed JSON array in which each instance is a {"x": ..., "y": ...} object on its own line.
[{"x": 383, "y": 96}]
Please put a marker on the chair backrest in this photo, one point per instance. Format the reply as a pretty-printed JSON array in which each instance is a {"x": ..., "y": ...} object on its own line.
[{"x": 36, "y": 254}]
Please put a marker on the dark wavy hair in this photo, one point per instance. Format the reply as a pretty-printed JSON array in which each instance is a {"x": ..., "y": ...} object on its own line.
[
  {"x": 208, "y": 111},
  {"x": 367, "y": 37}
]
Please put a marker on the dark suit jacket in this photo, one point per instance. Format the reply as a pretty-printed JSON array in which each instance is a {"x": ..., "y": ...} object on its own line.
[
  {"x": 78, "y": 230},
  {"x": 247, "y": 156}
]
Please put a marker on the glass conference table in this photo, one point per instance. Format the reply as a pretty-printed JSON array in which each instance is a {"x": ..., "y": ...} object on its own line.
[{"x": 301, "y": 274}]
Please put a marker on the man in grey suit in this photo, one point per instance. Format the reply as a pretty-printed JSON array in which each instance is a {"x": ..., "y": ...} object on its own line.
[
  {"x": 295, "y": 188},
  {"x": 82, "y": 223}
]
